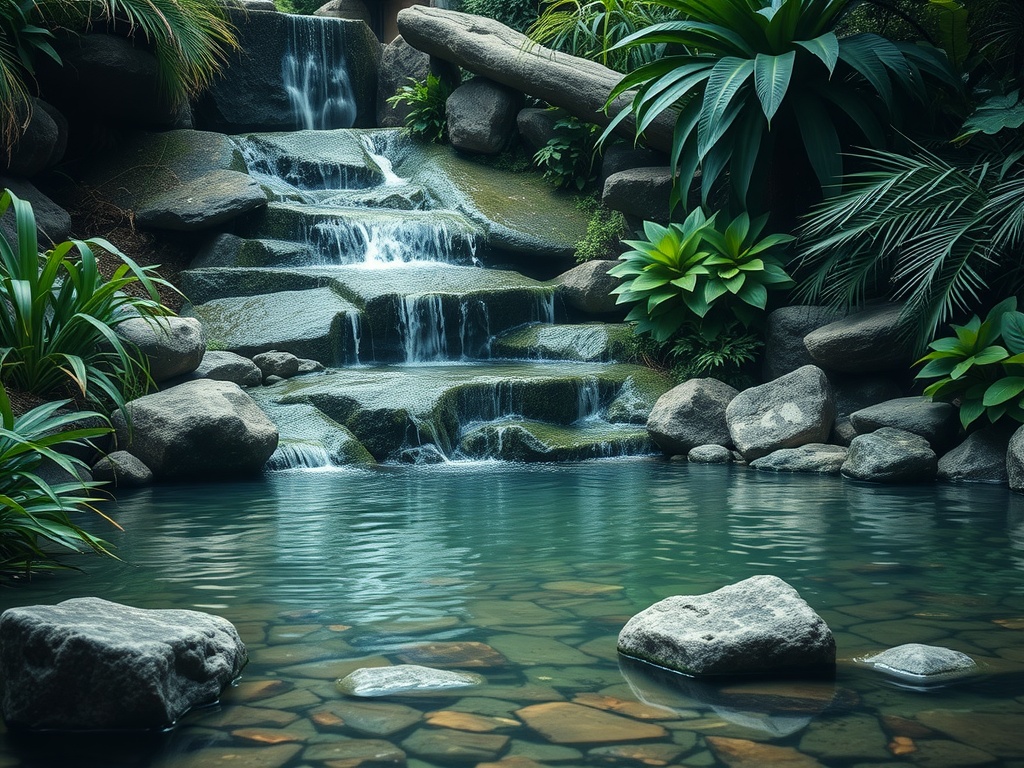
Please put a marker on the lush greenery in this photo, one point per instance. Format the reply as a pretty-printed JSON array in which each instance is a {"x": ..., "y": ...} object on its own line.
[
  {"x": 696, "y": 270},
  {"x": 592, "y": 28},
  {"x": 190, "y": 38},
  {"x": 765, "y": 88},
  {"x": 518, "y": 14},
  {"x": 58, "y": 314},
  {"x": 732, "y": 356},
  {"x": 605, "y": 228},
  {"x": 35, "y": 516},
  {"x": 426, "y": 118},
  {"x": 570, "y": 157},
  {"x": 977, "y": 372}
]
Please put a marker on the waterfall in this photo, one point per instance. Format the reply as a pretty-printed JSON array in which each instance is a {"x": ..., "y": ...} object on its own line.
[
  {"x": 315, "y": 75},
  {"x": 421, "y": 324},
  {"x": 382, "y": 161},
  {"x": 588, "y": 399},
  {"x": 298, "y": 454},
  {"x": 344, "y": 241}
]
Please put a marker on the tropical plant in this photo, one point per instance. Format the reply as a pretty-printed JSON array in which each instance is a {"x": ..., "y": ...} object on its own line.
[
  {"x": 975, "y": 371},
  {"x": 591, "y": 28},
  {"x": 34, "y": 514},
  {"x": 727, "y": 356},
  {"x": 569, "y": 157},
  {"x": 936, "y": 234},
  {"x": 763, "y": 87},
  {"x": 686, "y": 270},
  {"x": 605, "y": 229},
  {"x": 58, "y": 313},
  {"x": 426, "y": 119},
  {"x": 517, "y": 14},
  {"x": 190, "y": 39}
]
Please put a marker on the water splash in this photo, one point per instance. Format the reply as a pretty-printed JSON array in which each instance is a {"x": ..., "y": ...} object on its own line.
[
  {"x": 298, "y": 454},
  {"x": 315, "y": 75},
  {"x": 344, "y": 241}
]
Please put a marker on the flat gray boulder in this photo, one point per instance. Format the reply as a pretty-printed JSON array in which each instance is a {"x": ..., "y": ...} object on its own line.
[
  {"x": 274, "y": 363},
  {"x": 784, "y": 332},
  {"x": 691, "y": 414},
  {"x": 227, "y": 366},
  {"x": 403, "y": 678},
  {"x": 760, "y": 625},
  {"x": 88, "y": 664},
  {"x": 819, "y": 458},
  {"x": 203, "y": 203},
  {"x": 866, "y": 341},
  {"x": 711, "y": 453},
  {"x": 199, "y": 429},
  {"x": 793, "y": 410},
  {"x": 481, "y": 116},
  {"x": 173, "y": 346},
  {"x": 936, "y": 422},
  {"x": 640, "y": 192},
  {"x": 890, "y": 455},
  {"x": 588, "y": 288},
  {"x": 915, "y": 662},
  {"x": 980, "y": 458},
  {"x": 123, "y": 470}
]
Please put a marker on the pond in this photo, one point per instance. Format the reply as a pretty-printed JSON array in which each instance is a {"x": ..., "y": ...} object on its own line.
[{"x": 525, "y": 574}]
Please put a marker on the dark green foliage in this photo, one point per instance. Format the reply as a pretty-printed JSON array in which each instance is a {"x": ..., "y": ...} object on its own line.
[
  {"x": 604, "y": 231},
  {"x": 730, "y": 356},
  {"x": 975, "y": 371},
  {"x": 570, "y": 158},
  {"x": 427, "y": 119},
  {"x": 35, "y": 515},
  {"x": 518, "y": 14}
]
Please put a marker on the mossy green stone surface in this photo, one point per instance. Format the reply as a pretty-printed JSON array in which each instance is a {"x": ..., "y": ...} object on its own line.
[
  {"x": 309, "y": 153},
  {"x": 590, "y": 342}
]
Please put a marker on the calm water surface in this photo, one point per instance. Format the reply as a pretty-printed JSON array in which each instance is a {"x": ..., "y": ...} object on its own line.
[{"x": 525, "y": 574}]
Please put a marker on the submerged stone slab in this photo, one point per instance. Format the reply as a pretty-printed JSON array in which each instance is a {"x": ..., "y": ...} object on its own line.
[
  {"x": 916, "y": 662},
  {"x": 561, "y": 722},
  {"x": 590, "y": 342},
  {"x": 91, "y": 664},
  {"x": 371, "y": 682},
  {"x": 758, "y": 626}
]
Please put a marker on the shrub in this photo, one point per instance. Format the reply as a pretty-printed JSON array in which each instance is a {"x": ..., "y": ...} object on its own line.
[
  {"x": 427, "y": 119},
  {"x": 35, "y": 515},
  {"x": 58, "y": 314},
  {"x": 684, "y": 271},
  {"x": 569, "y": 159},
  {"x": 605, "y": 229},
  {"x": 517, "y": 14}
]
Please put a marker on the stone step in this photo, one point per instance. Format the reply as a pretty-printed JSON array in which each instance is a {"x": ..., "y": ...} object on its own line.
[
  {"x": 584, "y": 342},
  {"x": 338, "y": 159},
  {"x": 514, "y": 440},
  {"x": 391, "y": 409}
]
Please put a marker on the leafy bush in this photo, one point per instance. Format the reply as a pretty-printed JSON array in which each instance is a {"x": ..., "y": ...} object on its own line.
[
  {"x": 765, "y": 86},
  {"x": 190, "y": 39},
  {"x": 58, "y": 314},
  {"x": 731, "y": 356},
  {"x": 518, "y": 14},
  {"x": 35, "y": 515},
  {"x": 569, "y": 158},
  {"x": 605, "y": 229},
  {"x": 591, "y": 28},
  {"x": 427, "y": 119},
  {"x": 686, "y": 270},
  {"x": 977, "y": 373}
]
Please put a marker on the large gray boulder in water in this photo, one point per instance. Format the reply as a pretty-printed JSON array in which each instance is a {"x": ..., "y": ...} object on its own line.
[
  {"x": 89, "y": 664},
  {"x": 890, "y": 455},
  {"x": 173, "y": 346},
  {"x": 691, "y": 414},
  {"x": 201, "y": 428},
  {"x": 1015, "y": 460},
  {"x": 793, "y": 410},
  {"x": 935, "y": 421},
  {"x": 759, "y": 626},
  {"x": 980, "y": 458},
  {"x": 914, "y": 662},
  {"x": 489, "y": 48}
]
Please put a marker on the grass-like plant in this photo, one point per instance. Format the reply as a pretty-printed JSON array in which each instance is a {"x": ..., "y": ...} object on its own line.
[
  {"x": 757, "y": 84},
  {"x": 685, "y": 270},
  {"x": 58, "y": 314},
  {"x": 35, "y": 516},
  {"x": 427, "y": 118},
  {"x": 190, "y": 39}
]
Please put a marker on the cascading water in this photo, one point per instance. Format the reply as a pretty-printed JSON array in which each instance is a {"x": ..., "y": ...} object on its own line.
[
  {"x": 421, "y": 325},
  {"x": 299, "y": 454},
  {"x": 315, "y": 75},
  {"x": 344, "y": 241}
]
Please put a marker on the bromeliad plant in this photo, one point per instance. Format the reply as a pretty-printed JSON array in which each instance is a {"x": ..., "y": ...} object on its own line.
[
  {"x": 755, "y": 81},
  {"x": 58, "y": 314},
  {"x": 35, "y": 516},
  {"x": 694, "y": 269},
  {"x": 975, "y": 371}
]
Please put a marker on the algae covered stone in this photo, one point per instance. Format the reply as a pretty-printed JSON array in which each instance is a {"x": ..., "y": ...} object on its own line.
[
  {"x": 758, "y": 626},
  {"x": 403, "y": 678},
  {"x": 918, "y": 662}
]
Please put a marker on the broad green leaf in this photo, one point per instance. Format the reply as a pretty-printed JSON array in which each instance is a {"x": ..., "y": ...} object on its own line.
[
  {"x": 970, "y": 410},
  {"x": 825, "y": 47},
  {"x": 937, "y": 368},
  {"x": 991, "y": 355},
  {"x": 727, "y": 77},
  {"x": 1005, "y": 389},
  {"x": 1012, "y": 327},
  {"x": 772, "y": 75}
]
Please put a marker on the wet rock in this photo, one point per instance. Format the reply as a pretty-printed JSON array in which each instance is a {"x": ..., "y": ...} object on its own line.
[
  {"x": 53, "y": 223},
  {"x": 691, "y": 414},
  {"x": 784, "y": 332},
  {"x": 587, "y": 342},
  {"x": 843, "y": 431},
  {"x": 870, "y": 340},
  {"x": 402, "y": 678},
  {"x": 449, "y": 747},
  {"x": 1015, "y": 460},
  {"x": 373, "y": 719},
  {"x": 854, "y": 393},
  {"x": 275, "y": 756},
  {"x": 640, "y": 192},
  {"x": 645, "y": 754},
  {"x": 274, "y": 363},
  {"x": 992, "y": 732},
  {"x": 846, "y": 738},
  {"x": 310, "y": 366},
  {"x": 447, "y": 655},
  {"x": 818, "y": 458},
  {"x": 123, "y": 470},
  {"x": 741, "y": 753},
  {"x": 41, "y": 143},
  {"x": 793, "y": 410},
  {"x": 537, "y": 125},
  {"x": 466, "y": 721},
  {"x": 202, "y": 203},
  {"x": 355, "y": 10},
  {"x": 890, "y": 455},
  {"x": 399, "y": 63},
  {"x": 942, "y": 753},
  {"x": 535, "y": 441},
  {"x": 354, "y": 753},
  {"x": 227, "y": 366},
  {"x": 922, "y": 663},
  {"x": 524, "y": 649},
  {"x": 757, "y": 626},
  {"x": 588, "y": 287},
  {"x": 173, "y": 346},
  {"x": 709, "y": 454},
  {"x": 563, "y": 723},
  {"x": 481, "y": 116},
  {"x": 91, "y": 664},
  {"x": 980, "y": 458},
  {"x": 936, "y": 422},
  {"x": 201, "y": 428}
]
